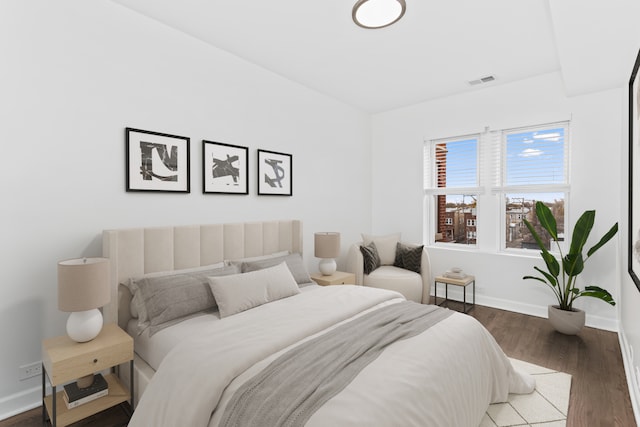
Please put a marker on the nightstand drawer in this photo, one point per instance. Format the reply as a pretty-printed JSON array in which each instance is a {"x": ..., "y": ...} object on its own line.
[
  {"x": 337, "y": 278},
  {"x": 66, "y": 360}
]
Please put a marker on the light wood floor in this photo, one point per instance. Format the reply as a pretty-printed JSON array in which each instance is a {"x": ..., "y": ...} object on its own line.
[{"x": 599, "y": 393}]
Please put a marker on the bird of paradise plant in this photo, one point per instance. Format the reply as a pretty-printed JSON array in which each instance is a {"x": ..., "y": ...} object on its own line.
[{"x": 561, "y": 275}]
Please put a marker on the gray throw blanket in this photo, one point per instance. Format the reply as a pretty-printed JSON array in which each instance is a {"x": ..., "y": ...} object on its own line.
[{"x": 296, "y": 384}]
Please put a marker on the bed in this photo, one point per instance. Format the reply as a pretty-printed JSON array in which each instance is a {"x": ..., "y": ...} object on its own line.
[{"x": 277, "y": 349}]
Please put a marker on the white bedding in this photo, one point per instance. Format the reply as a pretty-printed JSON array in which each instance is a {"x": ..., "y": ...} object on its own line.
[
  {"x": 152, "y": 349},
  {"x": 446, "y": 376}
]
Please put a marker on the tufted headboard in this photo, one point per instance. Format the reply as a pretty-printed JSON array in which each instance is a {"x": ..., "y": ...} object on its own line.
[{"x": 137, "y": 251}]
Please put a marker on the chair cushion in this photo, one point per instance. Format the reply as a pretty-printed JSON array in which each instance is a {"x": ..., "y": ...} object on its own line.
[
  {"x": 386, "y": 246},
  {"x": 406, "y": 282}
]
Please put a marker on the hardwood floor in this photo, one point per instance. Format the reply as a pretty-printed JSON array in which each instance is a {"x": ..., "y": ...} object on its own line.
[
  {"x": 118, "y": 416},
  {"x": 599, "y": 393}
]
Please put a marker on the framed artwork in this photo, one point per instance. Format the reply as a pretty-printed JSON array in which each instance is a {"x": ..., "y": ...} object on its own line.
[
  {"x": 634, "y": 177},
  {"x": 157, "y": 161},
  {"x": 225, "y": 168},
  {"x": 275, "y": 173}
]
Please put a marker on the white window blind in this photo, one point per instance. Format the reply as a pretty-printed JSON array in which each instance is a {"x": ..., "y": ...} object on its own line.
[
  {"x": 451, "y": 166},
  {"x": 533, "y": 159}
]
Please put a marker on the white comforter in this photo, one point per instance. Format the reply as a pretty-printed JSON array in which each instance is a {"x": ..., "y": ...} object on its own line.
[{"x": 446, "y": 376}]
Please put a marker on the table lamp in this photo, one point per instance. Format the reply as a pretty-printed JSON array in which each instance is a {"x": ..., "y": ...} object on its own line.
[
  {"x": 327, "y": 247},
  {"x": 83, "y": 287}
]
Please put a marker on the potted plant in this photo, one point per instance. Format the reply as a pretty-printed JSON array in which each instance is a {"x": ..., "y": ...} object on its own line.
[{"x": 561, "y": 275}]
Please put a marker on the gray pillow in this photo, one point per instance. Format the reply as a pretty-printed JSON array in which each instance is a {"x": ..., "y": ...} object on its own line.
[
  {"x": 409, "y": 257},
  {"x": 166, "y": 298},
  {"x": 370, "y": 258},
  {"x": 294, "y": 263}
]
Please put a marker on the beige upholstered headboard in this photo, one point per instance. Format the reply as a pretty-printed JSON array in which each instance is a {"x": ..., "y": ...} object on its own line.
[{"x": 137, "y": 251}]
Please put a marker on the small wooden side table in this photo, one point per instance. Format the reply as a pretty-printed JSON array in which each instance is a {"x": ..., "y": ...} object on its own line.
[
  {"x": 64, "y": 360},
  {"x": 337, "y": 278},
  {"x": 464, "y": 282}
]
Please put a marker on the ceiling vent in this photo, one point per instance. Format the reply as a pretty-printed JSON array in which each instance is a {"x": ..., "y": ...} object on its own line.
[{"x": 481, "y": 80}]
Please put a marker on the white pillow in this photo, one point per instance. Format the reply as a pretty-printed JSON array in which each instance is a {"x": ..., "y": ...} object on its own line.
[
  {"x": 386, "y": 246},
  {"x": 240, "y": 292}
]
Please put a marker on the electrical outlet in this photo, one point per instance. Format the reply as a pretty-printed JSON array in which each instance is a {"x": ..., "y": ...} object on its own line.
[{"x": 30, "y": 370}]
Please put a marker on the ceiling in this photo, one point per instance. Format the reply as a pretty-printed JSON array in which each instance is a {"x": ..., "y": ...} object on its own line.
[{"x": 432, "y": 52}]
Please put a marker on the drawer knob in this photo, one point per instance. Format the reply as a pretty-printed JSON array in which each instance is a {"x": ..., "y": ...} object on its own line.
[{"x": 95, "y": 360}]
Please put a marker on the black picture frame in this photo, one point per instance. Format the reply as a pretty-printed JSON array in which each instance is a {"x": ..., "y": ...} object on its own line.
[
  {"x": 225, "y": 168},
  {"x": 634, "y": 164},
  {"x": 157, "y": 161},
  {"x": 275, "y": 173}
]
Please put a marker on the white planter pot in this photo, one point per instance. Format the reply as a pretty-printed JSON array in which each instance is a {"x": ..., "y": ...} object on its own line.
[{"x": 566, "y": 322}]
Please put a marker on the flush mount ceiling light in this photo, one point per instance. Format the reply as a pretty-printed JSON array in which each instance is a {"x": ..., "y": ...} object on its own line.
[{"x": 377, "y": 13}]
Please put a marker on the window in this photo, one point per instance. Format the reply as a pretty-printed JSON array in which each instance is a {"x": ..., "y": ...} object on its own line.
[
  {"x": 504, "y": 171},
  {"x": 534, "y": 169},
  {"x": 452, "y": 183}
]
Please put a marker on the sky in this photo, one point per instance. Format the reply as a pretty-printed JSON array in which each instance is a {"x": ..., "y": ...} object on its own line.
[{"x": 532, "y": 157}]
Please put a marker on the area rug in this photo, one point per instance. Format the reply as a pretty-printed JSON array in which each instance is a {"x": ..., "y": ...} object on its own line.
[{"x": 547, "y": 406}]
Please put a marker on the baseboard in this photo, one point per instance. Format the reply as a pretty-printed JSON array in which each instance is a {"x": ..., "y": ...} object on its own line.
[
  {"x": 597, "y": 322},
  {"x": 20, "y": 402},
  {"x": 632, "y": 377}
]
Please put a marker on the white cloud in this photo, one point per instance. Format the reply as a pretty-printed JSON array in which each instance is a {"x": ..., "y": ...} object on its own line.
[{"x": 530, "y": 152}]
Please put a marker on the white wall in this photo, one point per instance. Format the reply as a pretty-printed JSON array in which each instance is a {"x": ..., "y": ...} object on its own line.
[
  {"x": 596, "y": 121},
  {"x": 629, "y": 294},
  {"x": 74, "y": 74}
]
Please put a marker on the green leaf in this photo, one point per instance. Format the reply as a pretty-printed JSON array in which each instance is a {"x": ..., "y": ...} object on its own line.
[
  {"x": 573, "y": 264},
  {"x": 553, "y": 280},
  {"x": 535, "y": 235},
  {"x": 552, "y": 263},
  {"x": 581, "y": 231},
  {"x": 612, "y": 232},
  {"x": 598, "y": 292},
  {"x": 546, "y": 219},
  {"x": 535, "y": 278}
]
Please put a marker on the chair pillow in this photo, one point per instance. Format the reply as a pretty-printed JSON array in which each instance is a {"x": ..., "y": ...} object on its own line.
[
  {"x": 240, "y": 292},
  {"x": 386, "y": 246},
  {"x": 409, "y": 257},
  {"x": 370, "y": 257}
]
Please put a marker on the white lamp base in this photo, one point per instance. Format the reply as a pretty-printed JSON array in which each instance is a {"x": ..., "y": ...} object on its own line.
[
  {"x": 327, "y": 266},
  {"x": 83, "y": 326}
]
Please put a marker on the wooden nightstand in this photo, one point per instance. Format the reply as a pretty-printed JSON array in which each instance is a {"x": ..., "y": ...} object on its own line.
[
  {"x": 337, "y": 278},
  {"x": 64, "y": 360},
  {"x": 464, "y": 282}
]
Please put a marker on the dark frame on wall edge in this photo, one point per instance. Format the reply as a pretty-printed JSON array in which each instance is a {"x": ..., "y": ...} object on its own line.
[{"x": 634, "y": 150}]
